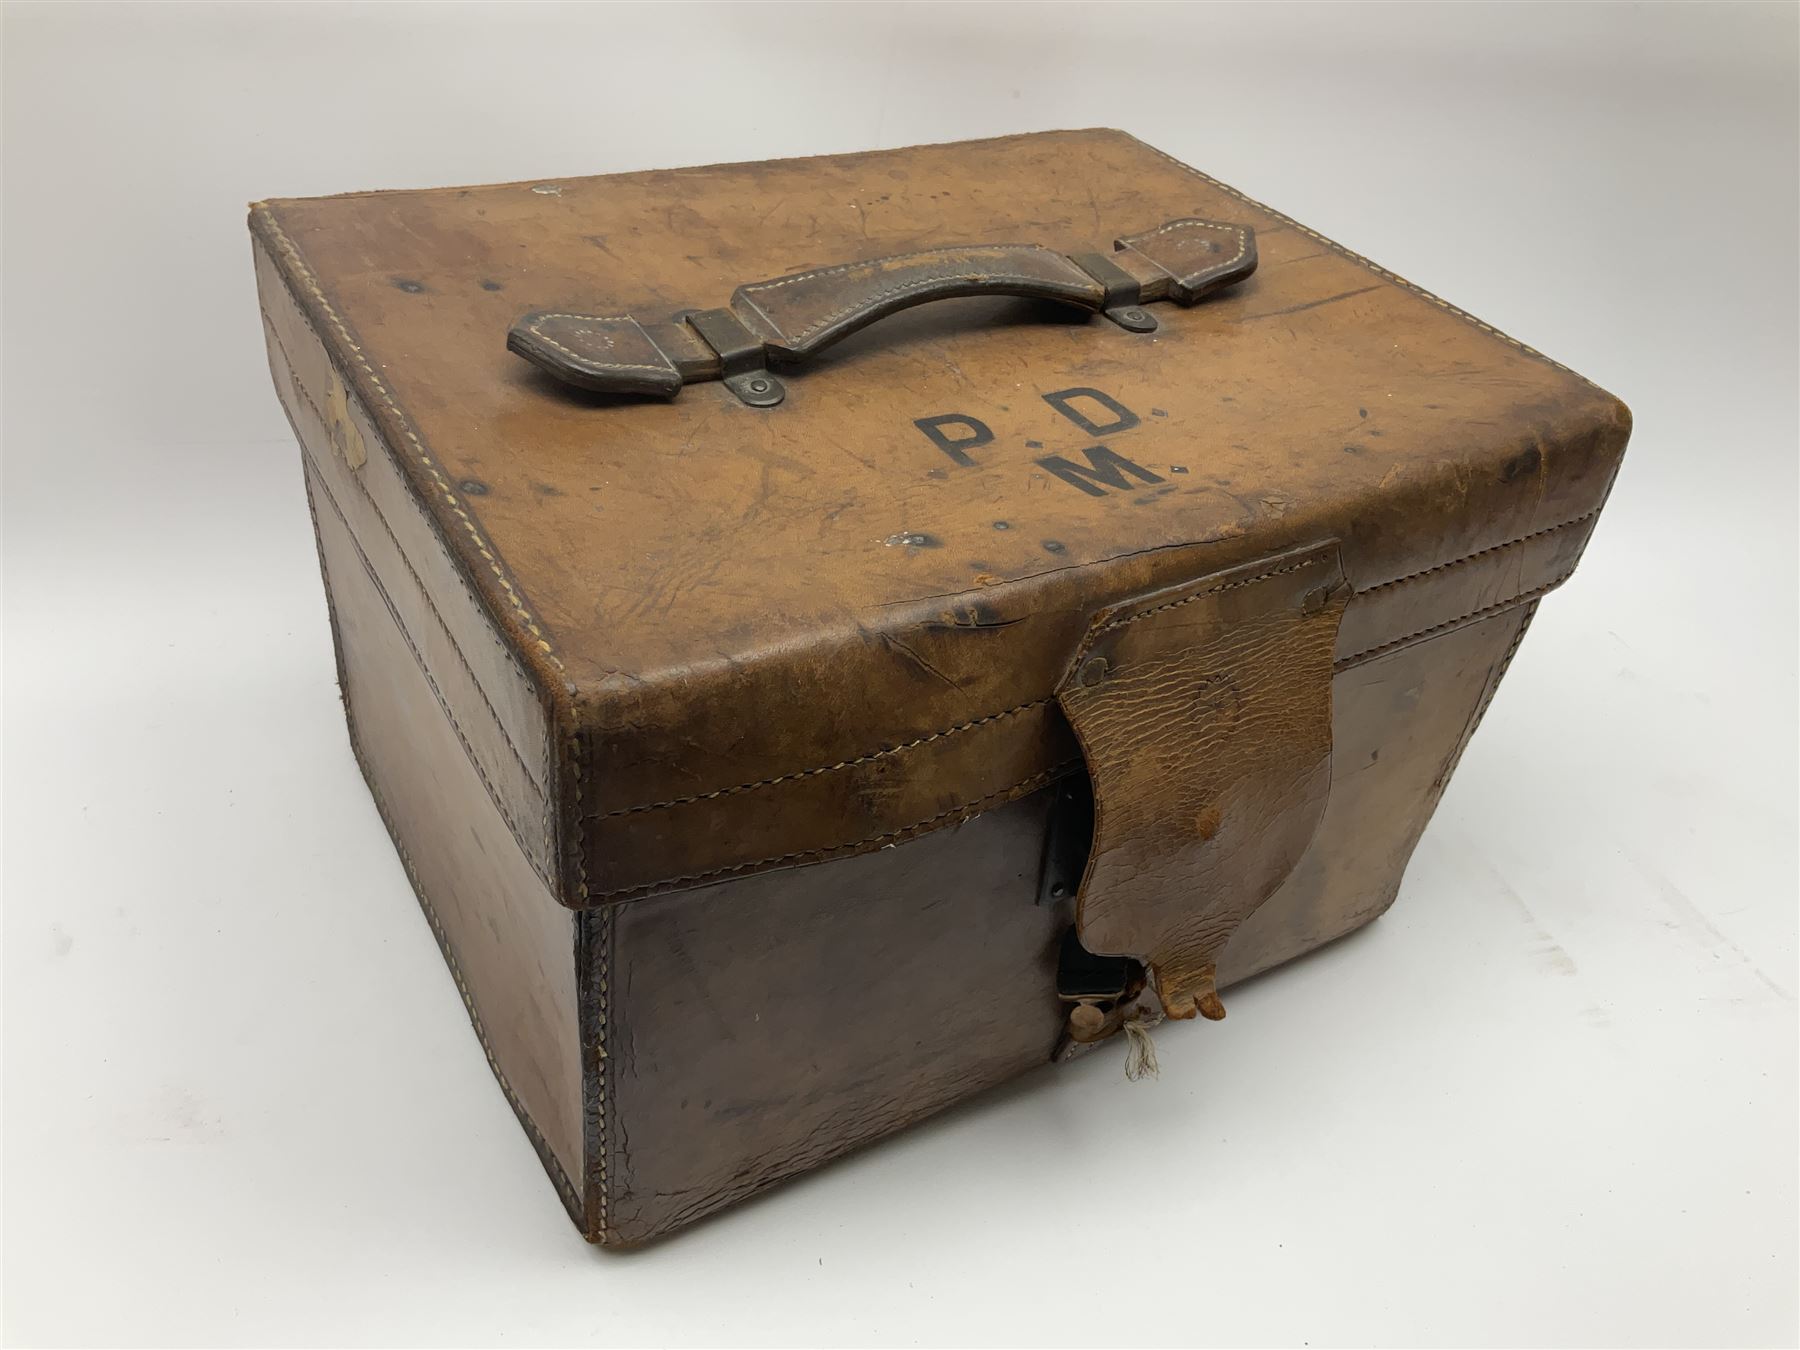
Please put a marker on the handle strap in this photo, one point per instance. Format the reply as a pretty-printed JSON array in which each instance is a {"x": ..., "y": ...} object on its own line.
[{"x": 787, "y": 320}]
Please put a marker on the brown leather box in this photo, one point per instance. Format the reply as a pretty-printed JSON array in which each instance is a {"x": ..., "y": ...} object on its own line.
[{"x": 754, "y": 700}]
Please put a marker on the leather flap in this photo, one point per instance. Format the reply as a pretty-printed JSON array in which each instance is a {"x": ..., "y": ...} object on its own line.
[{"x": 1204, "y": 714}]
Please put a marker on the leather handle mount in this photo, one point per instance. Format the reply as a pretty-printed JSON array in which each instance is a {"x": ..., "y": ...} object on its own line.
[{"x": 785, "y": 321}]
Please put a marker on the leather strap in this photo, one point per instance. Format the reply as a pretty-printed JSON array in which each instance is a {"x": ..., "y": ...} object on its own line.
[
  {"x": 1204, "y": 715},
  {"x": 790, "y": 319}
]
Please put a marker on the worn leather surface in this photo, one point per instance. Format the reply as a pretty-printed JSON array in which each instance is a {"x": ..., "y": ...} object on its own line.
[
  {"x": 1204, "y": 716},
  {"x": 764, "y": 637},
  {"x": 664, "y": 653},
  {"x": 510, "y": 947},
  {"x": 788, "y": 319},
  {"x": 479, "y": 684},
  {"x": 763, "y": 1026}
]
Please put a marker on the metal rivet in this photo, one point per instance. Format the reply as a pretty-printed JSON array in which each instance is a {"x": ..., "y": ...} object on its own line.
[
  {"x": 1058, "y": 891},
  {"x": 1094, "y": 671},
  {"x": 474, "y": 487},
  {"x": 547, "y": 190},
  {"x": 1136, "y": 315},
  {"x": 1002, "y": 525},
  {"x": 759, "y": 386}
]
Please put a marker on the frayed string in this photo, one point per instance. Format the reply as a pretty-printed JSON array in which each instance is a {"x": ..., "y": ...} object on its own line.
[{"x": 1140, "y": 1051}]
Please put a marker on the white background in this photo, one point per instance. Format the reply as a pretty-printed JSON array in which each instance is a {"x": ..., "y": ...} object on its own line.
[{"x": 1549, "y": 1099}]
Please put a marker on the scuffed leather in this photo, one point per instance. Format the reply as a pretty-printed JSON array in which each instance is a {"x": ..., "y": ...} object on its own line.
[
  {"x": 762, "y": 638},
  {"x": 793, "y": 317},
  {"x": 805, "y": 312},
  {"x": 1204, "y": 715},
  {"x": 1186, "y": 260}
]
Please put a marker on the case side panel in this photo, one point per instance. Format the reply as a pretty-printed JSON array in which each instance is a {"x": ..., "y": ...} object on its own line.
[
  {"x": 782, "y": 1019},
  {"x": 509, "y": 945}
]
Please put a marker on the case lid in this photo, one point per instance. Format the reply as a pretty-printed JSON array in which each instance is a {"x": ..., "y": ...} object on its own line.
[{"x": 778, "y": 634}]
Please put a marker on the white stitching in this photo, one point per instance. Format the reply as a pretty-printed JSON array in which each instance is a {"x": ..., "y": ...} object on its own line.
[
  {"x": 667, "y": 368},
  {"x": 1200, "y": 595},
  {"x": 298, "y": 263},
  {"x": 866, "y": 262},
  {"x": 1243, "y": 237},
  {"x": 923, "y": 283}
]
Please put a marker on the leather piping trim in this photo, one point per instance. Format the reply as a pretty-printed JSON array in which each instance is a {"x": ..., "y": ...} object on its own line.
[
  {"x": 956, "y": 815},
  {"x": 873, "y": 755},
  {"x": 594, "y": 940}
]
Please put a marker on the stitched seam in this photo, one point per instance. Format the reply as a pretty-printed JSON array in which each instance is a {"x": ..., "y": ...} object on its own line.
[
  {"x": 829, "y": 768},
  {"x": 297, "y": 262},
  {"x": 1037, "y": 703},
  {"x": 816, "y": 272},
  {"x": 552, "y": 1164},
  {"x": 603, "y": 1064},
  {"x": 299, "y": 268},
  {"x": 1487, "y": 697},
  {"x": 1436, "y": 628},
  {"x": 589, "y": 361},
  {"x": 910, "y": 288},
  {"x": 294, "y": 380},
  {"x": 1482, "y": 553},
  {"x": 964, "y": 812},
  {"x": 1243, "y": 238},
  {"x": 444, "y": 703},
  {"x": 1376, "y": 268},
  {"x": 1200, "y": 595},
  {"x": 418, "y": 581}
]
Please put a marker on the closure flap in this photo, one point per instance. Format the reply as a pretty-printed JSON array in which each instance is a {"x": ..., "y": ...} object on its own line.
[{"x": 1204, "y": 714}]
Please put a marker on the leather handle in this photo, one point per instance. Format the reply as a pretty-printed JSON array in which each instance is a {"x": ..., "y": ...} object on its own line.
[{"x": 786, "y": 320}]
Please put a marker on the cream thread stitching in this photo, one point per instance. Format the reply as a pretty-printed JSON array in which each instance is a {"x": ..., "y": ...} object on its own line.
[
  {"x": 298, "y": 263},
  {"x": 424, "y": 592},
  {"x": 546, "y": 814},
  {"x": 1512, "y": 650},
  {"x": 1200, "y": 595},
  {"x": 667, "y": 368},
  {"x": 828, "y": 768},
  {"x": 601, "y": 1069},
  {"x": 300, "y": 269},
  {"x": 814, "y": 273},
  {"x": 1038, "y": 703},
  {"x": 1376, "y": 268},
  {"x": 964, "y": 812},
  {"x": 912, "y": 287},
  {"x": 271, "y": 324},
  {"x": 552, "y": 1163},
  {"x": 1482, "y": 553},
  {"x": 494, "y": 795},
  {"x": 1037, "y": 780},
  {"x": 1243, "y": 238},
  {"x": 1474, "y": 615}
]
